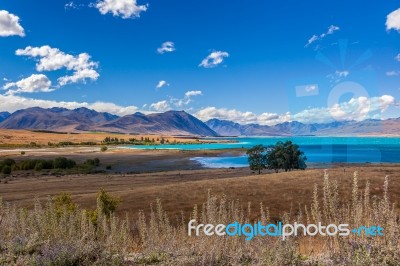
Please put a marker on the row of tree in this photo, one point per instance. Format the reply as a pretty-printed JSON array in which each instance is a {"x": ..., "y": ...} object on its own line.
[{"x": 283, "y": 155}]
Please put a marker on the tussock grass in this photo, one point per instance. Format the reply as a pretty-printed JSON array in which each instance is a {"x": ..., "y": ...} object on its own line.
[{"x": 54, "y": 234}]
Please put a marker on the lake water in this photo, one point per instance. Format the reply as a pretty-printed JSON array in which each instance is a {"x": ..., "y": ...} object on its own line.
[{"x": 317, "y": 149}]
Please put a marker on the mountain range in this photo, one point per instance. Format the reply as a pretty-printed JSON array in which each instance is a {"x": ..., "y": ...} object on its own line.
[
  {"x": 180, "y": 123},
  {"x": 82, "y": 119},
  {"x": 341, "y": 128}
]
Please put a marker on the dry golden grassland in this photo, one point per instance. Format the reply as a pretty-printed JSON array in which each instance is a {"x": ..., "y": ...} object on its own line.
[
  {"x": 181, "y": 190},
  {"x": 25, "y": 137},
  {"x": 58, "y": 232}
]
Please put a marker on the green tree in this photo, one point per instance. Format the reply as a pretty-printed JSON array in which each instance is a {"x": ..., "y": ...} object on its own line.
[
  {"x": 257, "y": 158},
  {"x": 286, "y": 156}
]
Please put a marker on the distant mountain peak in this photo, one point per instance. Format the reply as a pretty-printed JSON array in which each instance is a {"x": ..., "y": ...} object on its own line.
[
  {"x": 84, "y": 119},
  {"x": 295, "y": 128}
]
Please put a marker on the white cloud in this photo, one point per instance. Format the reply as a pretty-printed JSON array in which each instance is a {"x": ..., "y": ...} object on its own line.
[
  {"x": 241, "y": 117},
  {"x": 355, "y": 109},
  {"x": 160, "y": 106},
  {"x": 12, "y": 103},
  {"x": 213, "y": 59},
  {"x": 34, "y": 83},
  {"x": 123, "y": 8},
  {"x": 161, "y": 83},
  {"x": 9, "y": 25},
  {"x": 186, "y": 99},
  {"x": 393, "y": 20},
  {"x": 397, "y": 57},
  {"x": 165, "y": 105},
  {"x": 331, "y": 30},
  {"x": 53, "y": 59},
  {"x": 392, "y": 73},
  {"x": 72, "y": 5},
  {"x": 189, "y": 94},
  {"x": 166, "y": 47}
]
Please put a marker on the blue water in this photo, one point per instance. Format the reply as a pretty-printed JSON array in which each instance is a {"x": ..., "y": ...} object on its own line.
[{"x": 317, "y": 149}]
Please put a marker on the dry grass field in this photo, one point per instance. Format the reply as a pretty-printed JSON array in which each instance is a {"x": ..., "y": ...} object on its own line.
[
  {"x": 159, "y": 190},
  {"x": 25, "y": 137},
  {"x": 181, "y": 190}
]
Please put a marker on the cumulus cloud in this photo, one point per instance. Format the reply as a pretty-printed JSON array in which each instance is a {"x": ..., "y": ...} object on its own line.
[
  {"x": 9, "y": 25},
  {"x": 160, "y": 106},
  {"x": 34, "y": 83},
  {"x": 393, "y": 20},
  {"x": 355, "y": 109},
  {"x": 331, "y": 30},
  {"x": 51, "y": 59},
  {"x": 121, "y": 8},
  {"x": 241, "y": 117},
  {"x": 189, "y": 94},
  {"x": 172, "y": 102},
  {"x": 213, "y": 59},
  {"x": 161, "y": 83},
  {"x": 397, "y": 58},
  {"x": 12, "y": 103},
  {"x": 186, "y": 99},
  {"x": 166, "y": 47}
]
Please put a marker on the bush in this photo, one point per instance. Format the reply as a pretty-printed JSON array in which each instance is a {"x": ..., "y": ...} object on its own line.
[
  {"x": 22, "y": 152},
  {"x": 63, "y": 163},
  {"x": 39, "y": 166},
  {"x": 90, "y": 162},
  {"x": 6, "y": 170},
  {"x": 103, "y": 148},
  {"x": 107, "y": 203},
  {"x": 108, "y": 167},
  {"x": 9, "y": 162},
  {"x": 60, "y": 233}
]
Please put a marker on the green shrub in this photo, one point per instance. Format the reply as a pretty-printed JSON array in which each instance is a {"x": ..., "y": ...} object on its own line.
[
  {"x": 9, "y": 162},
  {"x": 90, "y": 162},
  {"x": 22, "y": 152},
  {"x": 108, "y": 167},
  {"x": 63, "y": 202},
  {"x": 63, "y": 163},
  {"x": 107, "y": 203},
  {"x": 39, "y": 166},
  {"x": 103, "y": 148},
  {"x": 6, "y": 170}
]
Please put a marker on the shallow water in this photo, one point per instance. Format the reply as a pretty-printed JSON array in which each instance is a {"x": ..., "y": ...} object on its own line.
[{"x": 317, "y": 149}]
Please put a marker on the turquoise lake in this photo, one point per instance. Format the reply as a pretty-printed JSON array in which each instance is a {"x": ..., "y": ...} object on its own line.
[{"x": 317, "y": 149}]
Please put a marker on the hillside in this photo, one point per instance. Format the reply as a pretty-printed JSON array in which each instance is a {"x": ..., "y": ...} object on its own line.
[{"x": 83, "y": 119}]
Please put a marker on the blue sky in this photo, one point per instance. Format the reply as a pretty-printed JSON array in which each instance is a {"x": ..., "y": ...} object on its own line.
[{"x": 251, "y": 62}]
